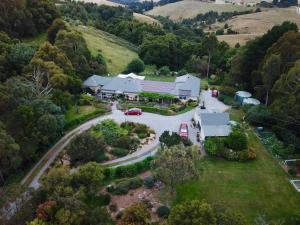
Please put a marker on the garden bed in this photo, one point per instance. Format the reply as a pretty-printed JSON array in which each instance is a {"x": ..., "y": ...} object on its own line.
[
  {"x": 122, "y": 139},
  {"x": 147, "y": 194},
  {"x": 162, "y": 109}
]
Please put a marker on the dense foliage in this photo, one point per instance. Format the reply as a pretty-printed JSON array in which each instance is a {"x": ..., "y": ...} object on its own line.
[
  {"x": 26, "y": 18},
  {"x": 269, "y": 67}
]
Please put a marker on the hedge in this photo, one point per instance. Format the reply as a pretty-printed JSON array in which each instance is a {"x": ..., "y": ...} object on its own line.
[
  {"x": 128, "y": 170},
  {"x": 79, "y": 120},
  {"x": 150, "y": 109}
]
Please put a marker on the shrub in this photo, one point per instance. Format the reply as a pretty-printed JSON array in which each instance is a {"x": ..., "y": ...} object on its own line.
[
  {"x": 135, "y": 66},
  {"x": 122, "y": 188},
  {"x": 105, "y": 199},
  {"x": 149, "y": 182},
  {"x": 214, "y": 146},
  {"x": 292, "y": 171},
  {"x": 186, "y": 142},
  {"x": 227, "y": 90},
  {"x": 251, "y": 154},
  {"x": 259, "y": 115},
  {"x": 236, "y": 141},
  {"x": 163, "y": 211},
  {"x": 119, "y": 152},
  {"x": 113, "y": 207},
  {"x": 164, "y": 70},
  {"x": 206, "y": 87},
  {"x": 135, "y": 182}
]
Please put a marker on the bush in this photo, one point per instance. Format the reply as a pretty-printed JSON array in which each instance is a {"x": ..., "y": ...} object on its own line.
[
  {"x": 259, "y": 115},
  {"x": 113, "y": 208},
  {"x": 236, "y": 141},
  {"x": 292, "y": 171},
  {"x": 186, "y": 142},
  {"x": 119, "y": 152},
  {"x": 150, "y": 109},
  {"x": 214, "y": 146},
  {"x": 149, "y": 182},
  {"x": 135, "y": 66},
  {"x": 105, "y": 199},
  {"x": 121, "y": 188},
  {"x": 135, "y": 182},
  {"x": 163, "y": 211},
  {"x": 251, "y": 154},
  {"x": 164, "y": 70},
  {"x": 227, "y": 90}
]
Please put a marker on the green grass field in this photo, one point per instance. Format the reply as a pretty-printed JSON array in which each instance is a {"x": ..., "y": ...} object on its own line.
[
  {"x": 116, "y": 51},
  {"x": 74, "y": 113},
  {"x": 257, "y": 187},
  {"x": 161, "y": 78}
]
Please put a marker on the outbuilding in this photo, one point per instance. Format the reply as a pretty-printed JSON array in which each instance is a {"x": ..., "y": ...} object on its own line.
[
  {"x": 241, "y": 95},
  {"x": 251, "y": 101}
]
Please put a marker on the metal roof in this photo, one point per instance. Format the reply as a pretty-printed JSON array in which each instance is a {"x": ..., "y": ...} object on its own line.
[
  {"x": 216, "y": 131},
  {"x": 122, "y": 85},
  {"x": 215, "y": 119},
  {"x": 158, "y": 86},
  {"x": 95, "y": 81}
]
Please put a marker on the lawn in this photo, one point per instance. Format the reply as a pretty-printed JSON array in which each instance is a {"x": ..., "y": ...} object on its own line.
[
  {"x": 74, "y": 112},
  {"x": 116, "y": 51},
  {"x": 260, "y": 186},
  {"x": 38, "y": 39}
]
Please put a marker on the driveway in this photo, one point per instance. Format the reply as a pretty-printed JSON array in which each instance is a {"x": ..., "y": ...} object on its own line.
[
  {"x": 211, "y": 103},
  {"x": 158, "y": 123}
]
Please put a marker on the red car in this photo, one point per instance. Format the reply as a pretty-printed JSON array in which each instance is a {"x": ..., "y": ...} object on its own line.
[
  {"x": 183, "y": 130},
  {"x": 133, "y": 112}
]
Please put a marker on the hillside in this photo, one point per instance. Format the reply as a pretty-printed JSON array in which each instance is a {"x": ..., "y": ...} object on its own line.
[
  {"x": 189, "y": 9},
  {"x": 140, "y": 17},
  {"x": 251, "y": 25},
  {"x": 116, "y": 51}
]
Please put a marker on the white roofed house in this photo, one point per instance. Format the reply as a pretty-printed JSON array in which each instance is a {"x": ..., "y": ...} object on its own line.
[
  {"x": 185, "y": 87},
  {"x": 212, "y": 124},
  {"x": 95, "y": 83}
]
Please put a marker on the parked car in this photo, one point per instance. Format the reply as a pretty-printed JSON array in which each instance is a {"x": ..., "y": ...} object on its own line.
[
  {"x": 183, "y": 130},
  {"x": 215, "y": 93},
  {"x": 133, "y": 112}
]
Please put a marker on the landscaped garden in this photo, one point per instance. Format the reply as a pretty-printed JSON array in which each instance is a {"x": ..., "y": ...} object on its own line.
[
  {"x": 164, "y": 104},
  {"x": 109, "y": 140}
]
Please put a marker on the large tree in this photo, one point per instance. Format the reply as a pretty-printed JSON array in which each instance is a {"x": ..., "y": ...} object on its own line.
[
  {"x": 192, "y": 213},
  {"x": 175, "y": 165},
  {"x": 86, "y": 147}
]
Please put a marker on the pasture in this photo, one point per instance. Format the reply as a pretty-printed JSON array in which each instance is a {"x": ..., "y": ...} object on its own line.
[
  {"x": 116, "y": 51},
  {"x": 189, "y": 9}
]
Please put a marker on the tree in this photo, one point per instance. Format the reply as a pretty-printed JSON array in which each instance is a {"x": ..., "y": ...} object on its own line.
[
  {"x": 209, "y": 43},
  {"x": 192, "y": 213},
  {"x": 56, "y": 26},
  {"x": 89, "y": 175},
  {"x": 10, "y": 158},
  {"x": 135, "y": 66},
  {"x": 175, "y": 165},
  {"x": 196, "y": 65},
  {"x": 168, "y": 139},
  {"x": 20, "y": 55},
  {"x": 136, "y": 214},
  {"x": 271, "y": 73},
  {"x": 286, "y": 107},
  {"x": 85, "y": 148},
  {"x": 75, "y": 48}
]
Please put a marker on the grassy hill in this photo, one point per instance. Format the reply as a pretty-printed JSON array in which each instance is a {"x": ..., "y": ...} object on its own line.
[
  {"x": 140, "y": 17},
  {"x": 252, "y": 25},
  {"x": 116, "y": 51},
  {"x": 189, "y": 9}
]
